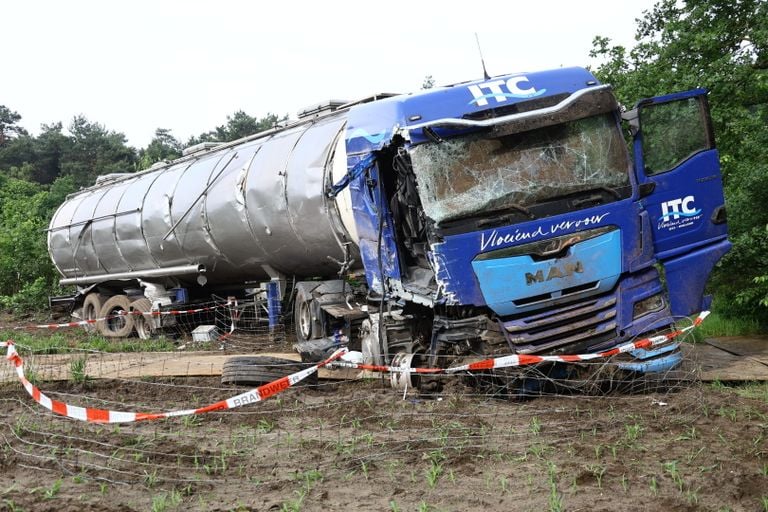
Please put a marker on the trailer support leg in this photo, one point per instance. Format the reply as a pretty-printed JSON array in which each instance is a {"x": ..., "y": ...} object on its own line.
[{"x": 273, "y": 305}]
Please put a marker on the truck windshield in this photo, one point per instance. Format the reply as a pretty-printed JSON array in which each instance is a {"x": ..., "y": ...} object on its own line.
[{"x": 486, "y": 172}]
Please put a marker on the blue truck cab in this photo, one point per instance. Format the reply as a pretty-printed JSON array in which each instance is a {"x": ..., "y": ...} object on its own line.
[{"x": 509, "y": 215}]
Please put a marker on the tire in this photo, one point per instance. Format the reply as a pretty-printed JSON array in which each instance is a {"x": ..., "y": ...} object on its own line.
[
  {"x": 116, "y": 326},
  {"x": 143, "y": 324},
  {"x": 257, "y": 370},
  {"x": 92, "y": 309},
  {"x": 307, "y": 317}
]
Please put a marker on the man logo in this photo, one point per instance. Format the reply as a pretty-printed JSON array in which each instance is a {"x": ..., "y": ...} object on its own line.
[{"x": 554, "y": 273}]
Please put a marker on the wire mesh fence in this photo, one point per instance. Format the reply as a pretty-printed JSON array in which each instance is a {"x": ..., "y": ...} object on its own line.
[{"x": 528, "y": 438}]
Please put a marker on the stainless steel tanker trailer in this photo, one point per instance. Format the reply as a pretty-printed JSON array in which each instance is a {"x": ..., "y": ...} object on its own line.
[
  {"x": 488, "y": 217},
  {"x": 223, "y": 217}
]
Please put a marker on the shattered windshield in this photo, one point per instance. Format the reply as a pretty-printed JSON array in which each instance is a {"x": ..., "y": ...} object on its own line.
[{"x": 463, "y": 176}]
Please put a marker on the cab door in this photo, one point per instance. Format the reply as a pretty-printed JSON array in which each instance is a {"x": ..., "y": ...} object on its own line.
[{"x": 681, "y": 188}]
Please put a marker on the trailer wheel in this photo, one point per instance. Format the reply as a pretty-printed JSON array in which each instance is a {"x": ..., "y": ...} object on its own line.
[
  {"x": 91, "y": 309},
  {"x": 143, "y": 324},
  {"x": 257, "y": 370},
  {"x": 115, "y": 324},
  {"x": 307, "y": 317}
]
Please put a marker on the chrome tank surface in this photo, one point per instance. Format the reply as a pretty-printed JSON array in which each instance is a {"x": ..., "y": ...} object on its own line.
[{"x": 235, "y": 210}]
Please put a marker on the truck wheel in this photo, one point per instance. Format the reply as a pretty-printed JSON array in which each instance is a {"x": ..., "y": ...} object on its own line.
[
  {"x": 257, "y": 370},
  {"x": 143, "y": 324},
  {"x": 91, "y": 309},
  {"x": 116, "y": 325},
  {"x": 307, "y": 317}
]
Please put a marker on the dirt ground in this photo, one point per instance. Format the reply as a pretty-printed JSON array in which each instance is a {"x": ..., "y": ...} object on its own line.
[{"x": 363, "y": 446}]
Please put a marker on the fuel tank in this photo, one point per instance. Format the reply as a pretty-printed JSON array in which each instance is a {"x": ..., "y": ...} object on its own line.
[{"x": 239, "y": 210}]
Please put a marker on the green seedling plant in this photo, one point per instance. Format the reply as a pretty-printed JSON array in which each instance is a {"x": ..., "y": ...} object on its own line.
[
  {"x": 52, "y": 491},
  {"x": 77, "y": 373},
  {"x": 674, "y": 473},
  {"x": 555, "y": 498},
  {"x": 597, "y": 470}
]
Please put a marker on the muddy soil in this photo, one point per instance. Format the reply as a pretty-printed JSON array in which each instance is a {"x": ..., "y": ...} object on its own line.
[{"x": 362, "y": 446}]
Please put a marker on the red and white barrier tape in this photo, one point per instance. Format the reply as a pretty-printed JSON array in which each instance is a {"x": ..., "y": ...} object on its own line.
[
  {"x": 527, "y": 359},
  {"x": 104, "y": 416},
  {"x": 81, "y": 323},
  {"x": 265, "y": 391}
]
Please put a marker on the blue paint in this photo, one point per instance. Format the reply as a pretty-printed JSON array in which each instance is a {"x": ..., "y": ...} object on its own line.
[
  {"x": 372, "y": 138},
  {"x": 503, "y": 281},
  {"x": 273, "y": 304},
  {"x": 357, "y": 170},
  {"x": 658, "y": 360}
]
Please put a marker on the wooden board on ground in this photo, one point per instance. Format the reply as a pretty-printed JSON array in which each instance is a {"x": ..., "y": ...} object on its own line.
[
  {"x": 715, "y": 364},
  {"x": 149, "y": 364},
  {"x": 723, "y": 359},
  {"x": 754, "y": 347}
]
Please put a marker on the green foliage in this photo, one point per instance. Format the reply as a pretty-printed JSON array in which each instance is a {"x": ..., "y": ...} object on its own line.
[
  {"x": 37, "y": 173},
  {"x": 96, "y": 151},
  {"x": 238, "y": 125},
  {"x": 164, "y": 146},
  {"x": 722, "y": 46},
  {"x": 8, "y": 124}
]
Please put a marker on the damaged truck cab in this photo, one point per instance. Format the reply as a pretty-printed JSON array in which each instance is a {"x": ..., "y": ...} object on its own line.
[{"x": 507, "y": 216}]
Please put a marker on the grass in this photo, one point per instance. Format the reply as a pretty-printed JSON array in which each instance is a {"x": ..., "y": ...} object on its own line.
[
  {"x": 77, "y": 373},
  {"x": 753, "y": 390},
  {"x": 59, "y": 343},
  {"x": 717, "y": 325}
]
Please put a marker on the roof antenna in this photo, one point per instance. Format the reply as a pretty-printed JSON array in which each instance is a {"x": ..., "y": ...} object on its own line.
[{"x": 482, "y": 61}]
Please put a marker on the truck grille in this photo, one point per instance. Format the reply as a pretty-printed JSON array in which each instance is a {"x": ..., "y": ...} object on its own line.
[{"x": 575, "y": 327}]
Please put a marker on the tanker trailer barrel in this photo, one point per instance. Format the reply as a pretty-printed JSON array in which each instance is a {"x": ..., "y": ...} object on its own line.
[{"x": 233, "y": 212}]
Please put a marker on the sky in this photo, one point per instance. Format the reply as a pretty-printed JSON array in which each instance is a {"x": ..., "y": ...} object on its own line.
[{"x": 135, "y": 66}]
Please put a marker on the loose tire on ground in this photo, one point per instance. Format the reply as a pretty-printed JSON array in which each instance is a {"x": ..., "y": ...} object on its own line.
[
  {"x": 116, "y": 326},
  {"x": 257, "y": 370},
  {"x": 92, "y": 308},
  {"x": 143, "y": 324}
]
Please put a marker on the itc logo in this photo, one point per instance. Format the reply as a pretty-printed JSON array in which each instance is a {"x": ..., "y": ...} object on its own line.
[
  {"x": 676, "y": 208},
  {"x": 516, "y": 87}
]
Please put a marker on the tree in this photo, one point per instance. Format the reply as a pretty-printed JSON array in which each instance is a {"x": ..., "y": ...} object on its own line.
[
  {"x": 95, "y": 151},
  {"x": 163, "y": 146},
  {"x": 238, "y": 125},
  {"x": 8, "y": 124},
  {"x": 722, "y": 46},
  {"x": 428, "y": 82}
]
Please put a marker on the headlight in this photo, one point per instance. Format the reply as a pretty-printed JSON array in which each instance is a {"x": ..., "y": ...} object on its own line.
[{"x": 648, "y": 305}]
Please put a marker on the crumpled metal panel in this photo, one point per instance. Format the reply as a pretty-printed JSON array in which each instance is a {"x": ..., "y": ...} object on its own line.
[
  {"x": 103, "y": 229},
  {"x": 59, "y": 247},
  {"x": 80, "y": 233},
  {"x": 227, "y": 217},
  {"x": 235, "y": 210},
  {"x": 305, "y": 175}
]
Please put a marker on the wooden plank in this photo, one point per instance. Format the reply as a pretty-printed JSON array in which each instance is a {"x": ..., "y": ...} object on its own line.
[
  {"x": 149, "y": 364},
  {"x": 715, "y": 364},
  {"x": 755, "y": 347}
]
